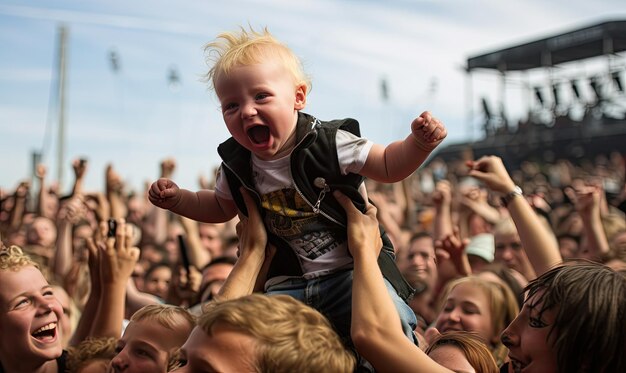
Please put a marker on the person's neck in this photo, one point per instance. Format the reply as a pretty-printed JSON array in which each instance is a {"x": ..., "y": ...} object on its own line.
[
  {"x": 288, "y": 146},
  {"x": 22, "y": 366}
]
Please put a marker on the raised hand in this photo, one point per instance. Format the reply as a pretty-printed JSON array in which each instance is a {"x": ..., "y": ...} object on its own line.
[
  {"x": 167, "y": 167},
  {"x": 363, "y": 231},
  {"x": 491, "y": 171},
  {"x": 120, "y": 256},
  {"x": 164, "y": 193},
  {"x": 428, "y": 131}
]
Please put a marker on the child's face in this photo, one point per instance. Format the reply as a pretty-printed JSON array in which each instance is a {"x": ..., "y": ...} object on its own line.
[
  {"x": 467, "y": 308},
  {"x": 29, "y": 316},
  {"x": 146, "y": 346},
  {"x": 260, "y": 104}
]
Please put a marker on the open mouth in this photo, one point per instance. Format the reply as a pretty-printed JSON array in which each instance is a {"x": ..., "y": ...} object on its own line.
[
  {"x": 46, "y": 333},
  {"x": 259, "y": 134},
  {"x": 517, "y": 365}
]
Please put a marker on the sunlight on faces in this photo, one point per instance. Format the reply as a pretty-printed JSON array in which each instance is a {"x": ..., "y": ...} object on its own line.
[
  {"x": 146, "y": 346},
  {"x": 467, "y": 308},
  {"x": 225, "y": 350},
  {"x": 27, "y": 304},
  {"x": 527, "y": 339},
  {"x": 259, "y": 105},
  {"x": 452, "y": 358}
]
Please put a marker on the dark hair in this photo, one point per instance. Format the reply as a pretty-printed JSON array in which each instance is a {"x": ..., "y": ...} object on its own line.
[
  {"x": 589, "y": 301},
  {"x": 154, "y": 267},
  {"x": 220, "y": 260},
  {"x": 421, "y": 234}
]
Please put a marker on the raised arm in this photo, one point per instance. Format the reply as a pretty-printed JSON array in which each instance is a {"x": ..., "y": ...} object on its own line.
[
  {"x": 114, "y": 190},
  {"x": 539, "y": 243},
  {"x": 203, "y": 205},
  {"x": 252, "y": 253},
  {"x": 587, "y": 200},
  {"x": 400, "y": 159},
  {"x": 80, "y": 169},
  {"x": 376, "y": 330},
  {"x": 442, "y": 197}
]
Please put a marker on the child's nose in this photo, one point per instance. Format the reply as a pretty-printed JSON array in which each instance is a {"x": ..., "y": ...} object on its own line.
[{"x": 248, "y": 110}]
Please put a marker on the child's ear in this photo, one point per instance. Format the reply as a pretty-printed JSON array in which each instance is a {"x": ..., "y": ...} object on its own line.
[{"x": 300, "y": 97}]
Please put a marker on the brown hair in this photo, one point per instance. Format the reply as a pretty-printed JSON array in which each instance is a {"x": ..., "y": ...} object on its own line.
[
  {"x": 474, "y": 348},
  {"x": 589, "y": 301}
]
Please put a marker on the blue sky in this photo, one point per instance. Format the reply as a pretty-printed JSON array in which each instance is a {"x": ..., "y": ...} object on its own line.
[{"x": 133, "y": 119}]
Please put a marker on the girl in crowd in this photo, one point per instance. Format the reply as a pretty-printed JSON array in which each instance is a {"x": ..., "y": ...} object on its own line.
[
  {"x": 30, "y": 334},
  {"x": 572, "y": 321},
  {"x": 474, "y": 304}
]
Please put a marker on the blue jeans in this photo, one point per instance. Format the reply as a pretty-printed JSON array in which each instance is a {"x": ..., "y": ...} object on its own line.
[{"x": 332, "y": 296}]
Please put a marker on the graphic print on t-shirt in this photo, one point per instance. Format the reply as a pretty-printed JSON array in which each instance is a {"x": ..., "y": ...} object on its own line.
[{"x": 290, "y": 217}]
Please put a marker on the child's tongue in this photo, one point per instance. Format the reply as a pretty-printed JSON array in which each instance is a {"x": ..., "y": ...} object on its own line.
[{"x": 259, "y": 134}]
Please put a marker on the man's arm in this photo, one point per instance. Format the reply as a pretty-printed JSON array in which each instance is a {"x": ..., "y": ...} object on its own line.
[{"x": 375, "y": 328}]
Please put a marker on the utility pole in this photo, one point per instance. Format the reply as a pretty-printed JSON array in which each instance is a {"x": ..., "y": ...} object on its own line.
[{"x": 61, "y": 95}]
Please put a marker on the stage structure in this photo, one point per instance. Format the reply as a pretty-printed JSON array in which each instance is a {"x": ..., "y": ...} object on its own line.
[{"x": 576, "y": 109}]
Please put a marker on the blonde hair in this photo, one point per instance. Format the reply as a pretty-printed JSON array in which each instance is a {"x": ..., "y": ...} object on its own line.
[
  {"x": 167, "y": 315},
  {"x": 88, "y": 350},
  {"x": 503, "y": 306},
  {"x": 290, "y": 336},
  {"x": 473, "y": 347},
  {"x": 13, "y": 258},
  {"x": 250, "y": 47}
]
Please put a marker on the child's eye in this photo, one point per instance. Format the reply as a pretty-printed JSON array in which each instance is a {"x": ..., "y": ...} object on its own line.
[
  {"x": 142, "y": 353},
  {"x": 536, "y": 323},
  {"x": 261, "y": 96},
  {"x": 22, "y": 302},
  {"x": 228, "y": 107}
]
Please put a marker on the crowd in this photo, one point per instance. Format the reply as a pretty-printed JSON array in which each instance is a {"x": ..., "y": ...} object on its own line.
[
  {"x": 492, "y": 280},
  {"x": 459, "y": 266}
]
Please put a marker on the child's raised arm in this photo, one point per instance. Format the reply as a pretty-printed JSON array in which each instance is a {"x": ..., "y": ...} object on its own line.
[
  {"x": 400, "y": 159},
  {"x": 203, "y": 205}
]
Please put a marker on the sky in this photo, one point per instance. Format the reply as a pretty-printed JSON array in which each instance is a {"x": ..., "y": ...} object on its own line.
[{"x": 129, "y": 115}]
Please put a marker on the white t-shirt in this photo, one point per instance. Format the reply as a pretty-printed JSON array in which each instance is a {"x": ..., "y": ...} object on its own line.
[{"x": 291, "y": 218}]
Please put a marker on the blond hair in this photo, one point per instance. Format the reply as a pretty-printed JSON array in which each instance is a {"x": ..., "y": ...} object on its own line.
[
  {"x": 249, "y": 47},
  {"x": 503, "y": 306},
  {"x": 290, "y": 336},
  {"x": 13, "y": 258},
  {"x": 88, "y": 350},
  {"x": 167, "y": 315}
]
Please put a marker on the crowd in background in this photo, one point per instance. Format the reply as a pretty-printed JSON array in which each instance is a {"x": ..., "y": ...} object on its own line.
[{"x": 468, "y": 254}]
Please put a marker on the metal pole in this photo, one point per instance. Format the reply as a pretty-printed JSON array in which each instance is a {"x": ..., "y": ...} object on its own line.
[{"x": 61, "y": 71}]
